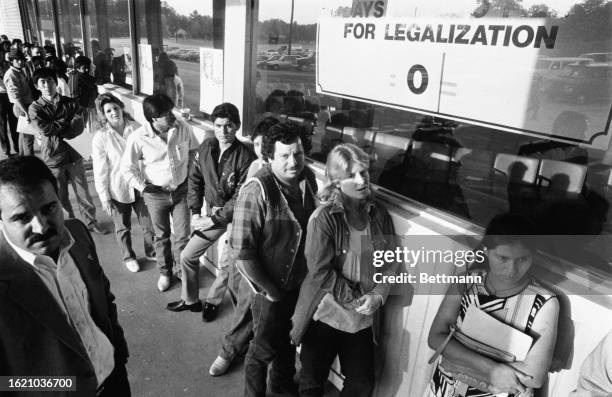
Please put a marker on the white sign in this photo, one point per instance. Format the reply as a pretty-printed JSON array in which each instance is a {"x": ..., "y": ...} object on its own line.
[
  {"x": 211, "y": 78},
  {"x": 145, "y": 68},
  {"x": 482, "y": 71}
]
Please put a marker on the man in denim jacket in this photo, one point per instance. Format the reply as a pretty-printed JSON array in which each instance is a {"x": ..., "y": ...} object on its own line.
[{"x": 268, "y": 235}]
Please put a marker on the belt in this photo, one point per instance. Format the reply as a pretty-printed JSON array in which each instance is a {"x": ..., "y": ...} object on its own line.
[{"x": 170, "y": 188}]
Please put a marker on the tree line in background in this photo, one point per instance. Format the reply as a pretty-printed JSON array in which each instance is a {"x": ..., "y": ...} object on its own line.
[{"x": 588, "y": 20}]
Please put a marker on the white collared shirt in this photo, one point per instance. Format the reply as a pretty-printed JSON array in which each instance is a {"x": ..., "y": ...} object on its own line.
[
  {"x": 69, "y": 291},
  {"x": 164, "y": 164},
  {"x": 107, "y": 149}
]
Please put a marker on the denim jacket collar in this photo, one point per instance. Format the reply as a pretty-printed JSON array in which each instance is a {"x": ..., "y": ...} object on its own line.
[{"x": 338, "y": 206}]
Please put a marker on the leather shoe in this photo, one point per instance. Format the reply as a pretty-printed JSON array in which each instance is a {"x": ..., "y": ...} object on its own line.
[
  {"x": 209, "y": 313},
  {"x": 180, "y": 306}
]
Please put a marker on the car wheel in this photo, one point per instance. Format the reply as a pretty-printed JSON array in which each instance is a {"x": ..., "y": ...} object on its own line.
[{"x": 275, "y": 67}]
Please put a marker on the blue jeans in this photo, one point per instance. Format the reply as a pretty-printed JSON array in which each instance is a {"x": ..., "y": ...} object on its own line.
[
  {"x": 161, "y": 205},
  {"x": 270, "y": 344},
  {"x": 190, "y": 267},
  {"x": 320, "y": 346},
  {"x": 122, "y": 218},
  {"x": 75, "y": 173},
  {"x": 240, "y": 332}
]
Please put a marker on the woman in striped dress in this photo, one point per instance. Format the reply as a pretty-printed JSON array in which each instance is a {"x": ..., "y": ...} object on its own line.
[{"x": 510, "y": 294}]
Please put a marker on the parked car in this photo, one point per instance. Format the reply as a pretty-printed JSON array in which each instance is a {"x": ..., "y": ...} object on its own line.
[
  {"x": 598, "y": 56},
  {"x": 551, "y": 66},
  {"x": 306, "y": 63},
  {"x": 284, "y": 62},
  {"x": 583, "y": 83},
  {"x": 264, "y": 62}
]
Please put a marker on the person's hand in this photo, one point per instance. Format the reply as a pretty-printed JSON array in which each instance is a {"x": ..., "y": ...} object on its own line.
[
  {"x": 505, "y": 379},
  {"x": 150, "y": 188},
  {"x": 77, "y": 124},
  {"x": 107, "y": 206},
  {"x": 368, "y": 304},
  {"x": 200, "y": 222}
]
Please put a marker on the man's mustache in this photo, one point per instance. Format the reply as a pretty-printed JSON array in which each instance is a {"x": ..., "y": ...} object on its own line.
[{"x": 42, "y": 237}]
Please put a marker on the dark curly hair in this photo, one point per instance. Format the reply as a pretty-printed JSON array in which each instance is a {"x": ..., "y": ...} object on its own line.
[
  {"x": 263, "y": 126},
  {"x": 286, "y": 132}
]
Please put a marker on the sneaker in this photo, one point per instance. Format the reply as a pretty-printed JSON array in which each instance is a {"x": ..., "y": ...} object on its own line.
[
  {"x": 219, "y": 366},
  {"x": 209, "y": 312},
  {"x": 151, "y": 258},
  {"x": 163, "y": 283},
  {"x": 132, "y": 265}
]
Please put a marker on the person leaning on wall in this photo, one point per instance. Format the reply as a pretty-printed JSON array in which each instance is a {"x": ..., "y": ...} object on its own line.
[{"x": 219, "y": 170}]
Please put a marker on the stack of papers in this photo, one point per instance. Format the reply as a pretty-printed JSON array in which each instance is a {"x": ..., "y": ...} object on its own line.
[{"x": 481, "y": 326}]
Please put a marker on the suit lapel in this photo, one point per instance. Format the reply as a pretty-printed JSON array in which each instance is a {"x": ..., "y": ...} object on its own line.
[
  {"x": 86, "y": 262},
  {"x": 29, "y": 292}
]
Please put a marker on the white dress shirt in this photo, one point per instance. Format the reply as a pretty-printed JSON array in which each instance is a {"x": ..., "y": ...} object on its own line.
[
  {"x": 164, "y": 163},
  {"x": 107, "y": 150},
  {"x": 69, "y": 291}
]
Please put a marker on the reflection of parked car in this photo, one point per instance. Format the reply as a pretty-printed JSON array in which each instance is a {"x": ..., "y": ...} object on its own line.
[
  {"x": 284, "y": 62},
  {"x": 550, "y": 67},
  {"x": 306, "y": 63},
  {"x": 264, "y": 62},
  {"x": 598, "y": 56},
  {"x": 583, "y": 83}
]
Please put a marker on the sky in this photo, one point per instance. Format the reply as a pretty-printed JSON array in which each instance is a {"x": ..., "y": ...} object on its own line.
[
  {"x": 307, "y": 11},
  {"x": 185, "y": 7}
]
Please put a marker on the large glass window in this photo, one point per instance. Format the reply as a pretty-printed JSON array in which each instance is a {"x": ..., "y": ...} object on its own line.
[
  {"x": 70, "y": 30},
  {"x": 176, "y": 30},
  {"x": 553, "y": 164},
  {"x": 47, "y": 27},
  {"x": 110, "y": 44}
]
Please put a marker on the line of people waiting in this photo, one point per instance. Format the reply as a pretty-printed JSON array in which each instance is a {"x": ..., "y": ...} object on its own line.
[{"x": 294, "y": 259}]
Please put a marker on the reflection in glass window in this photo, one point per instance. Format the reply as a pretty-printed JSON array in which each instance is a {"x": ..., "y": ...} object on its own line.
[
  {"x": 176, "y": 31},
  {"x": 111, "y": 48},
  {"x": 46, "y": 23},
  {"x": 555, "y": 167},
  {"x": 71, "y": 34}
]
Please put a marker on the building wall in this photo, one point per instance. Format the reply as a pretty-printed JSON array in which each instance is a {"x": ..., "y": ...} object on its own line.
[{"x": 10, "y": 19}]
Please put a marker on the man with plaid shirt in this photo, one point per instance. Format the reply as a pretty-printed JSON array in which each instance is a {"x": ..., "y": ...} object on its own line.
[{"x": 268, "y": 235}]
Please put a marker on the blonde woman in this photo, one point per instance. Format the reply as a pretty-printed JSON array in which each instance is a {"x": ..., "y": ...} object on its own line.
[
  {"x": 117, "y": 197},
  {"x": 338, "y": 307}
]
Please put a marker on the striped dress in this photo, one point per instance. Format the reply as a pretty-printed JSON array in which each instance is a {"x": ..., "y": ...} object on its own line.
[{"x": 519, "y": 310}]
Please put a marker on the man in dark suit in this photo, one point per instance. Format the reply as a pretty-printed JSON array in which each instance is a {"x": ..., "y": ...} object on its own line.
[{"x": 57, "y": 314}]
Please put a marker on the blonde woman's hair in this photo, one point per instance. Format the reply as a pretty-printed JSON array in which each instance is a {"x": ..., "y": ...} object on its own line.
[
  {"x": 340, "y": 161},
  {"x": 102, "y": 100}
]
